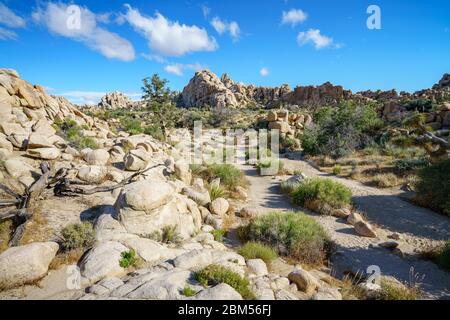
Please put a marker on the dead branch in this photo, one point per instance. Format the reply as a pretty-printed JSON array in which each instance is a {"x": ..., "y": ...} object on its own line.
[{"x": 61, "y": 186}]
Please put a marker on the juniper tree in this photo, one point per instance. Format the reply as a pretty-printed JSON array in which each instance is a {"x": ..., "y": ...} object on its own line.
[{"x": 158, "y": 98}]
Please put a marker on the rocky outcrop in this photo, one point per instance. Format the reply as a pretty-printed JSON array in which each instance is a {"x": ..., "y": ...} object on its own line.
[
  {"x": 206, "y": 89},
  {"x": 115, "y": 100}
]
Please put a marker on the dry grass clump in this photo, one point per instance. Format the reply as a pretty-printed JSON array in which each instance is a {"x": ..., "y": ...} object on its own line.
[{"x": 386, "y": 180}]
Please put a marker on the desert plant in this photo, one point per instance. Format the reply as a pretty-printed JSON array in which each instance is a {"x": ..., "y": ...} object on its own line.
[
  {"x": 337, "y": 170},
  {"x": 168, "y": 234},
  {"x": 78, "y": 235},
  {"x": 396, "y": 291},
  {"x": 229, "y": 175},
  {"x": 293, "y": 234},
  {"x": 188, "y": 292},
  {"x": 323, "y": 191},
  {"x": 257, "y": 250},
  {"x": 433, "y": 187},
  {"x": 216, "y": 274},
  {"x": 385, "y": 180},
  {"x": 267, "y": 164},
  {"x": 443, "y": 258},
  {"x": 216, "y": 192},
  {"x": 218, "y": 235},
  {"x": 128, "y": 259}
]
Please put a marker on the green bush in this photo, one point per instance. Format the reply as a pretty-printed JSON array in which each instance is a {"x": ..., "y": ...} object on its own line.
[
  {"x": 168, "y": 234},
  {"x": 433, "y": 186},
  {"x": 229, "y": 175},
  {"x": 188, "y": 292},
  {"x": 403, "y": 166},
  {"x": 339, "y": 131},
  {"x": 155, "y": 132},
  {"x": 392, "y": 291},
  {"x": 132, "y": 126},
  {"x": 443, "y": 258},
  {"x": 266, "y": 164},
  {"x": 293, "y": 234},
  {"x": 218, "y": 235},
  {"x": 216, "y": 192},
  {"x": 87, "y": 142},
  {"x": 337, "y": 170},
  {"x": 128, "y": 259},
  {"x": 324, "y": 191},
  {"x": 71, "y": 132},
  {"x": 257, "y": 250},
  {"x": 78, "y": 235},
  {"x": 215, "y": 274}
]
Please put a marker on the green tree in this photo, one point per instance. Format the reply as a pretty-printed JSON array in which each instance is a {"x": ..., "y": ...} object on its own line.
[{"x": 159, "y": 100}]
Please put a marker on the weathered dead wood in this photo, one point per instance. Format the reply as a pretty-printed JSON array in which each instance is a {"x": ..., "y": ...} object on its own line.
[{"x": 61, "y": 185}]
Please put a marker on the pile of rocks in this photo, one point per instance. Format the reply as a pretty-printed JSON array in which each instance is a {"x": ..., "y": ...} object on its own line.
[
  {"x": 115, "y": 100},
  {"x": 287, "y": 122}
]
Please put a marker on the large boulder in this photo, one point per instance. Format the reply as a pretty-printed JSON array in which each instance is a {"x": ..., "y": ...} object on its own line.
[
  {"x": 136, "y": 160},
  {"x": 99, "y": 157},
  {"x": 25, "y": 264},
  {"x": 219, "y": 206},
  {"x": 93, "y": 174},
  {"x": 147, "y": 206},
  {"x": 365, "y": 229},
  {"x": 44, "y": 153},
  {"x": 102, "y": 261},
  {"x": 304, "y": 280},
  {"x": 115, "y": 100}
]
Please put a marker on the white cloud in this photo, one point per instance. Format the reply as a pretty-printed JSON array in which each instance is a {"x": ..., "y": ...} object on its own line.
[
  {"x": 169, "y": 38},
  {"x": 6, "y": 34},
  {"x": 222, "y": 27},
  {"x": 314, "y": 37},
  {"x": 206, "y": 11},
  {"x": 56, "y": 17},
  {"x": 179, "y": 68},
  {"x": 293, "y": 17},
  {"x": 264, "y": 72},
  {"x": 9, "y": 18},
  {"x": 92, "y": 97}
]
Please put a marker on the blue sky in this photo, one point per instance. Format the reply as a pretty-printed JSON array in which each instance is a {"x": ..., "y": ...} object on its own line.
[{"x": 264, "y": 42}]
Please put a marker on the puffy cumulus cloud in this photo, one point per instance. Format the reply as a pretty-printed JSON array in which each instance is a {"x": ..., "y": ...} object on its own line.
[
  {"x": 293, "y": 17},
  {"x": 80, "y": 24},
  {"x": 168, "y": 38},
  {"x": 222, "y": 27},
  {"x": 9, "y": 19},
  {"x": 264, "y": 72},
  {"x": 314, "y": 37},
  {"x": 179, "y": 68}
]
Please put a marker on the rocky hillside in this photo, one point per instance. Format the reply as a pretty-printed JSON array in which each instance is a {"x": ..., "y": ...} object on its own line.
[
  {"x": 207, "y": 89},
  {"x": 115, "y": 100}
]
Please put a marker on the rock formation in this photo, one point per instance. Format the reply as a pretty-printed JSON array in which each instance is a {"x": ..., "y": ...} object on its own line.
[{"x": 115, "y": 100}]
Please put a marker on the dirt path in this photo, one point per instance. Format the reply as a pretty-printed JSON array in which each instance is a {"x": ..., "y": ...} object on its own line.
[{"x": 417, "y": 226}]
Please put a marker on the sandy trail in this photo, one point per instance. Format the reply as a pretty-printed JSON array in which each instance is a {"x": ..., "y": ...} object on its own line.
[{"x": 418, "y": 227}]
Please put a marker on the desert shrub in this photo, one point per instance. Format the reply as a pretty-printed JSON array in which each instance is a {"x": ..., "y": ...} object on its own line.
[
  {"x": 78, "y": 235},
  {"x": 433, "y": 187},
  {"x": 218, "y": 235},
  {"x": 337, "y": 170},
  {"x": 394, "y": 291},
  {"x": 154, "y": 131},
  {"x": 266, "y": 164},
  {"x": 293, "y": 234},
  {"x": 215, "y": 274},
  {"x": 87, "y": 142},
  {"x": 257, "y": 250},
  {"x": 229, "y": 175},
  {"x": 385, "y": 180},
  {"x": 339, "y": 131},
  {"x": 290, "y": 143},
  {"x": 168, "y": 234},
  {"x": 324, "y": 191},
  {"x": 128, "y": 259},
  {"x": 71, "y": 131},
  {"x": 188, "y": 292},
  {"x": 443, "y": 258},
  {"x": 132, "y": 126},
  {"x": 403, "y": 166},
  {"x": 216, "y": 192},
  {"x": 5, "y": 234}
]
